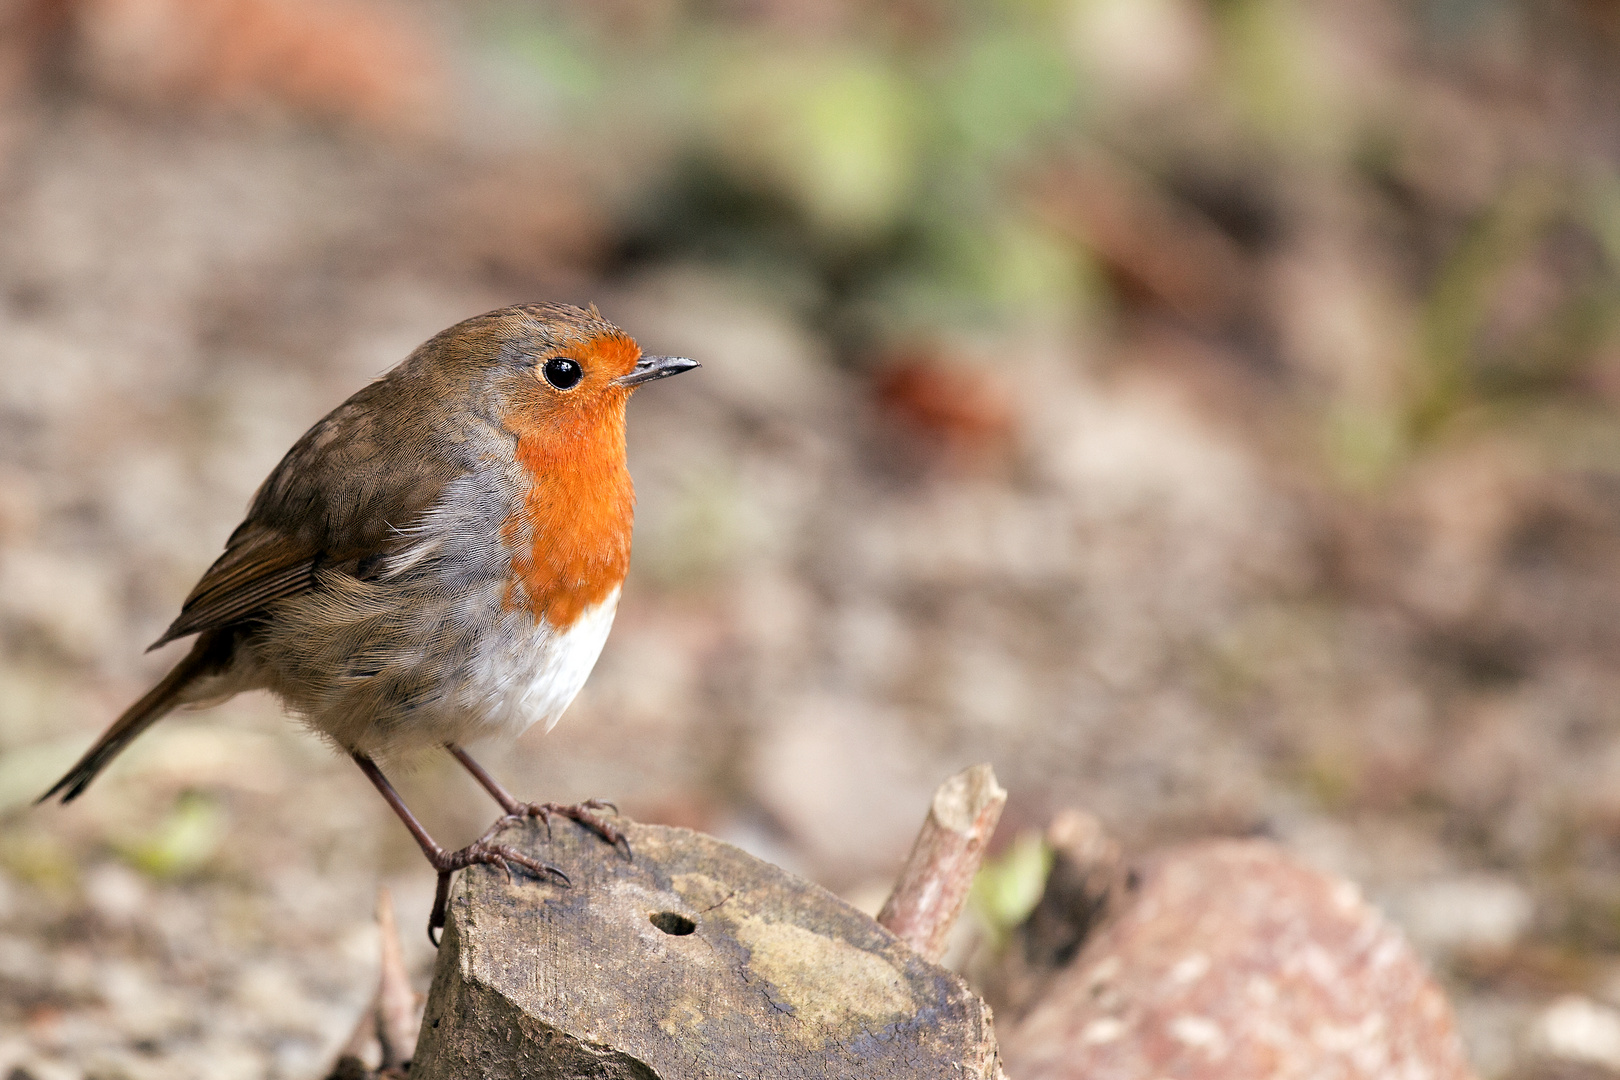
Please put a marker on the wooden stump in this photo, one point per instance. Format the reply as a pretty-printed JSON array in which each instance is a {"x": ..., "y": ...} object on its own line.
[{"x": 691, "y": 960}]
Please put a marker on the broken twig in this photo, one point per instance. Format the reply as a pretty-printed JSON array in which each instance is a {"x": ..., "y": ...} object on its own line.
[
  {"x": 396, "y": 1001},
  {"x": 388, "y": 1027},
  {"x": 933, "y": 886}
]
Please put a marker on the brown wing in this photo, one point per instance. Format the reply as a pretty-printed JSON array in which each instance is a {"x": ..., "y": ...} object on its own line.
[
  {"x": 260, "y": 566},
  {"x": 342, "y": 494}
]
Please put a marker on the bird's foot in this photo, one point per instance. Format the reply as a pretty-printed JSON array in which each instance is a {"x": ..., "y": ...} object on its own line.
[
  {"x": 482, "y": 851},
  {"x": 586, "y": 813}
]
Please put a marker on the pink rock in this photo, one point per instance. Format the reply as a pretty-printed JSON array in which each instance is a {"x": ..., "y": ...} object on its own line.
[{"x": 1234, "y": 962}]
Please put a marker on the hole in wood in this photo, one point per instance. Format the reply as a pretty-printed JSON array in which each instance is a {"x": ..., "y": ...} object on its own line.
[{"x": 672, "y": 922}]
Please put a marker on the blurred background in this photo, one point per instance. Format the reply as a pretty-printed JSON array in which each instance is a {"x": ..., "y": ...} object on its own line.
[{"x": 1206, "y": 411}]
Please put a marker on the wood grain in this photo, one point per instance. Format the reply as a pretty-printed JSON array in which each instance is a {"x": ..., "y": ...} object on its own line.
[{"x": 693, "y": 959}]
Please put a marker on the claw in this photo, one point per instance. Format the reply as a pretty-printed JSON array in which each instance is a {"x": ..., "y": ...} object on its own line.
[
  {"x": 441, "y": 901},
  {"x": 481, "y": 852},
  {"x": 585, "y": 814}
]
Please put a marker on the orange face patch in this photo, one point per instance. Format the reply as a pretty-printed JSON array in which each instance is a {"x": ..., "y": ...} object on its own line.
[
  {"x": 612, "y": 354},
  {"x": 571, "y": 538}
]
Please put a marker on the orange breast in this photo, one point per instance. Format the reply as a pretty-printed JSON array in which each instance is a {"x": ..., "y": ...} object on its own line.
[{"x": 571, "y": 535}]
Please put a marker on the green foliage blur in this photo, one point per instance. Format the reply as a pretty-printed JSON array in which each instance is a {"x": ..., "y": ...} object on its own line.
[
  {"x": 907, "y": 170},
  {"x": 877, "y": 162}
]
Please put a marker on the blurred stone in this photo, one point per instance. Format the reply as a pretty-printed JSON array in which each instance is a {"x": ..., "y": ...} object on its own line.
[
  {"x": 23, "y": 965},
  {"x": 958, "y": 410},
  {"x": 1492, "y": 1028},
  {"x": 1141, "y": 51},
  {"x": 145, "y": 1009},
  {"x": 115, "y": 893},
  {"x": 1233, "y": 961},
  {"x": 182, "y": 755},
  {"x": 20, "y": 504},
  {"x": 872, "y": 643},
  {"x": 65, "y": 603},
  {"x": 846, "y": 783},
  {"x": 1576, "y": 1028},
  {"x": 355, "y": 60},
  {"x": 1458, "y": 511},
  {"x": 1466, "y": 913}
]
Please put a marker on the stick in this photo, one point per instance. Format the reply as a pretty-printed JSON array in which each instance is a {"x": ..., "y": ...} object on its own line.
[
  {"x": 351, "y": 1060},
  {"x": 396, "y": 1002},
  {"x": 933, "y": 886}
]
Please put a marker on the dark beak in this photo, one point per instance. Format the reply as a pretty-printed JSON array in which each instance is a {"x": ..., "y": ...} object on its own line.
[{"x": 649, "y": 368}]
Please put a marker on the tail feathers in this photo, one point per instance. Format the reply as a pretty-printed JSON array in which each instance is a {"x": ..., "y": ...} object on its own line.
[{"x": 152, "y": 707}]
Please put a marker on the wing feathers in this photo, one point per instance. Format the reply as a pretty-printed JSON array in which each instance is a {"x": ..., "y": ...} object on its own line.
[
  {"x": 335, "y": 500},
  {"x": 237, "y": 595},
  {"x": 260, "y": 565}
]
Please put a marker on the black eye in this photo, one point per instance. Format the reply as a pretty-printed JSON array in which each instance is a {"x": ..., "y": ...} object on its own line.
[{"x": 563, "y": 373}]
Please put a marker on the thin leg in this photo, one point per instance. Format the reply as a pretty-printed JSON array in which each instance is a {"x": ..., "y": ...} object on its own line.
[
  {"x": 584, "y": 813},
  {"x": 512, "y": 807},
  {"x": 480, "y": 851}
]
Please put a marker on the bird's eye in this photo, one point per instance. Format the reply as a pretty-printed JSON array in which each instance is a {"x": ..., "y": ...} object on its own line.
[{"x": 563, "y": 373}]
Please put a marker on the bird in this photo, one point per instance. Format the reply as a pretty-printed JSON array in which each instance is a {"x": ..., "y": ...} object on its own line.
[{"x": 437, "y": 560}]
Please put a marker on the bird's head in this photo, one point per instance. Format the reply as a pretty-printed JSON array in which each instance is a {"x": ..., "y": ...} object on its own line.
[{"x": 549, "y": 368}]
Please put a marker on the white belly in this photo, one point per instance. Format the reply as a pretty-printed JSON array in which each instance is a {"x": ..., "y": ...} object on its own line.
[
  {"x": 383, "y": 673},
  {"x": 526, "y": 673}
]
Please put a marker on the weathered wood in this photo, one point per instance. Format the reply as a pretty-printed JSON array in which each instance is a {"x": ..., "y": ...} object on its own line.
[
  {"x": 933, "y": 886},
  {"x": 691, "y": 960}
]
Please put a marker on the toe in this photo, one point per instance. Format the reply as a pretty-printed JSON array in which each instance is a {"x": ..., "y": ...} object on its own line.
[{"x": 534, "y": 866}]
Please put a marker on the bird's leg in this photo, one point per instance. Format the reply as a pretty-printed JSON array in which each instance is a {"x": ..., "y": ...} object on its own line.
[
  {"x": 508, "y": 803},
  {"x": 585, "y": 813},
  {"x": 482, "y": 850}
]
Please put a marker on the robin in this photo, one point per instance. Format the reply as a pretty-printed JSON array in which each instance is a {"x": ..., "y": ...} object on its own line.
[{"x": 436, "y": 561}]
